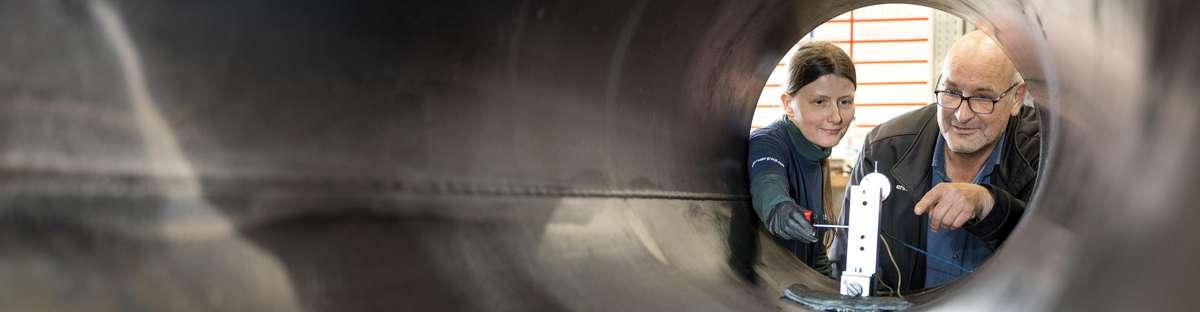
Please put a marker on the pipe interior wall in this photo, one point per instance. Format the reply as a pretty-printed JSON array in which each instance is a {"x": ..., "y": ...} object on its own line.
[{"x": 518, "y": 155}]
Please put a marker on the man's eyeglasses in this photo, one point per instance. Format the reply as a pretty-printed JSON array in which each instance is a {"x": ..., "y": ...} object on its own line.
[{"x": 978, "y": 104}]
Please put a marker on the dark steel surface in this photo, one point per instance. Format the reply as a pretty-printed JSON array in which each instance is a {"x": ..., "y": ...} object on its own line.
[{"x": 525, "y": 155}]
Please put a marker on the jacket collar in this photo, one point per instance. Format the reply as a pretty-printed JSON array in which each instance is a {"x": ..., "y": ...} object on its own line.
[
  {"x": 912, "y": 168},
  {"x": 1017, "y": 171}
]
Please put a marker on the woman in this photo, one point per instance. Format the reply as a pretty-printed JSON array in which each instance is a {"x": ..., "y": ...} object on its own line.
[{"x": 789, "y": 159}]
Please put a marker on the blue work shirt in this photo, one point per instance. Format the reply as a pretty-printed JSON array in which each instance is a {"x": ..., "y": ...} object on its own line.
[{"x": 957, "y": 246}]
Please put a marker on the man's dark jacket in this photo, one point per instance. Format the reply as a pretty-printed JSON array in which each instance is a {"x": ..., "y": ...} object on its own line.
[{"x": 903, "y": 149}]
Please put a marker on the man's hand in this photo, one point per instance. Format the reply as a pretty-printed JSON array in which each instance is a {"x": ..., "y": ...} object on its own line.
[
  {"x": 787, "y": 221},
  {"x": 950, "y": 205}
]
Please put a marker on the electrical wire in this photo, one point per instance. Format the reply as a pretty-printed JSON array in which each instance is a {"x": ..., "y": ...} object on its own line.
[
  {"x": 899, "y": 276},
  {"x": 896, "y": 265},
  {"x": 832, "y": 233},
  {"x": 914, "y": 248},
  {"x": 885, "y": 285}
]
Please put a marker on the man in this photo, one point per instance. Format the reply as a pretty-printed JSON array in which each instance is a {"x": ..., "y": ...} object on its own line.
[{"x": 962, "y": 169}]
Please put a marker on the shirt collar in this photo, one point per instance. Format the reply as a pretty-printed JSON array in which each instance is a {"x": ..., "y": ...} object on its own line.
[{"x": 939, "y": 159}]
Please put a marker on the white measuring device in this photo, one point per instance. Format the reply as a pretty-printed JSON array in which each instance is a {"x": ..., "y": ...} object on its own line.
[{"x": 862, "y": 238}]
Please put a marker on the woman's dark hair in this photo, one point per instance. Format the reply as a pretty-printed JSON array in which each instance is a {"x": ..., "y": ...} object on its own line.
[{"x": 814, "y": 60}]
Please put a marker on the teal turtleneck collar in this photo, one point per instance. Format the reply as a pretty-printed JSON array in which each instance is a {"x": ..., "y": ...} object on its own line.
[{"x": 804, "y": 147}]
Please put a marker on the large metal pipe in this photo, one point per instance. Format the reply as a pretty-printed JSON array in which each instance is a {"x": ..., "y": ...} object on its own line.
[{"x": 518, "y": 155}]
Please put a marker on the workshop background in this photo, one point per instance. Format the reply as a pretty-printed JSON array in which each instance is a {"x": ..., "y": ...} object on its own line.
[{"x": 897, "y": 51}]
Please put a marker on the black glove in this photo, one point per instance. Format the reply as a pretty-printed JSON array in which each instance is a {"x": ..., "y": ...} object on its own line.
[{"x": 787, "y": 221}]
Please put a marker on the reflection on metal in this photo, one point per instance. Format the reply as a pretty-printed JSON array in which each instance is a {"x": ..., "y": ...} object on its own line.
[
  {"x": 824, "y": 301},
  {"x": 313, "y": 155}
]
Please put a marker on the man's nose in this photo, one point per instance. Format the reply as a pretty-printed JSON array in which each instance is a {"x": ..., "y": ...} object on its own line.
[{"x": 964, "y": 112}]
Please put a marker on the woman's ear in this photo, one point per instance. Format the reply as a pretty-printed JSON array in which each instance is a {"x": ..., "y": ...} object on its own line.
[{"x": 785, "y": 100}]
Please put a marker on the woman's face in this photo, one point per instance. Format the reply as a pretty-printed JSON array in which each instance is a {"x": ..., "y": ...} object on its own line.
[{"x": 822, "y": 109}]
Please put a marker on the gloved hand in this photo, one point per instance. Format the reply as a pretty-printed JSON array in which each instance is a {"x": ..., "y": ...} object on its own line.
[{"x": 787, "y": 221}]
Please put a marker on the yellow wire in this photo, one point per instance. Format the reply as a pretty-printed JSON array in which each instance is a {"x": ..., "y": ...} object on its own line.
[
  {"x": 899, "y": 279},
  {"x": 881, "y": 282}
]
